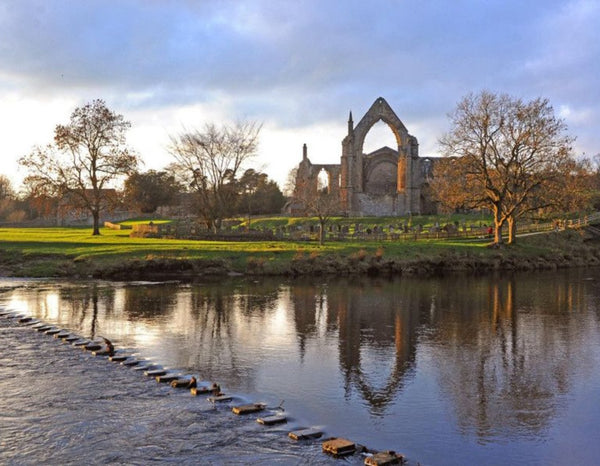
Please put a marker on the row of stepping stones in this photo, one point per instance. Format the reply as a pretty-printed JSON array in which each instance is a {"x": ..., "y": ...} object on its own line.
[{"x": 335, "y": 446}]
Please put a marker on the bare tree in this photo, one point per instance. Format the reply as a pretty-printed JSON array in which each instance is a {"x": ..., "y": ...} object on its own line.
[
  {"x": 7, "y": 197},
  {"x": 290, "y": 182},
  {"x": 208, "y": 161},
  {"x": 508, "y": 155},
  {"x": 88, "y": 154},
  {"x": 323, "y": 205}
]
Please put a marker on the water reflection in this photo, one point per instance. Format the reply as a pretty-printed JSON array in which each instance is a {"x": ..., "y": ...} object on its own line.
[
  {"x": 509, "y": 351},
  {"x": 461, "y": 360},
  {"x": 377, "y": 326}
]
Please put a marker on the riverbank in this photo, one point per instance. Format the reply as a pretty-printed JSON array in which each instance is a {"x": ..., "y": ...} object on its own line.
[{"x": 73, "y": 253}]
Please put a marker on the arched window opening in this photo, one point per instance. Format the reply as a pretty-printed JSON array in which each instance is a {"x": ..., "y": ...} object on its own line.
[
  {"x": 323, "y": 181},
  {"x": 380, "y": 135}
]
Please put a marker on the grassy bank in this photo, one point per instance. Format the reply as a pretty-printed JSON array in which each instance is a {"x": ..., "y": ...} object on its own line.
[{"x": 73, "y": 252}]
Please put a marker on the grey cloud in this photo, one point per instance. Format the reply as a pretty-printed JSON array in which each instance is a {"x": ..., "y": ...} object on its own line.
[{"x": 304, "y": 62}]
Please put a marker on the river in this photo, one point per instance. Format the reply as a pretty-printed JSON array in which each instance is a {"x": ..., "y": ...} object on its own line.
[{"x": 449, "y": 371}]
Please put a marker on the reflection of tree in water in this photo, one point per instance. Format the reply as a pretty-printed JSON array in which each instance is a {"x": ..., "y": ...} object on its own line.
[
  {"x": 257, "y": 298},
  {"x": 149, "y": 302},
  {"x": 506, "y": 351},
  {"x": 308, "y": 303},
  {"x": 373, "y": 321},
  {"x": 80, "y": 303},
  {"x": 212, "y": 339}
]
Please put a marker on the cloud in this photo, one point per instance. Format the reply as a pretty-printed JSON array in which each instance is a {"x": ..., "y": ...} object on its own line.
[{"x": 301, "y": 65}]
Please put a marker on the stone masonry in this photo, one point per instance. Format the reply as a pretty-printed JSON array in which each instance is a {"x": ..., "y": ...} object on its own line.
[{"x": 386, "y": 182}]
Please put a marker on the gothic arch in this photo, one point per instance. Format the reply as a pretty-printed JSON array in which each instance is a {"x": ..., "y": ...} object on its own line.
[{"x": 380, "y": 110}]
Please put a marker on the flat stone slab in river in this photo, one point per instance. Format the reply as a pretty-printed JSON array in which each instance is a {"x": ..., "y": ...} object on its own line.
[
  {"x": 303, "y": 434},
  {"x": 271, "y": 420},
  {"x": 92, "y": 346},
  {"x": 32, "y": 322},
  {"x": 118, "y": 357},
  {"x": 219, "y": 398},
  {"x": 203, "y": 390},
  {"x": 129, "y": 362},
  {"x": 384, "y": 458},
  {"x": 43, "y": 328},
  {"x": 81, "y": 342},
  {"x": 247, "y": 409},
  {"x": 167, "y": 378},
  {"x": 339, "y": 446}
]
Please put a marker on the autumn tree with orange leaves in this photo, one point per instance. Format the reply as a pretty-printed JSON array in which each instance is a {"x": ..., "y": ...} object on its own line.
[{"x": 504, "y": 154}]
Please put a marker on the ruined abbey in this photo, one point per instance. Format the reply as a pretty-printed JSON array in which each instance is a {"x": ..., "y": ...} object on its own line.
[{"x": 386, "y": 182}]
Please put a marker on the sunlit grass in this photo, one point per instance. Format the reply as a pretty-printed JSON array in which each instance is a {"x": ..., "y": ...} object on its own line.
[
  {"x": 78, "y": 242},
  {"x": 74, "y": 251}
]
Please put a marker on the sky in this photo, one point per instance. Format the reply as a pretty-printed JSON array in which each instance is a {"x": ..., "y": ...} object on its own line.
[{"x": 296, "y": 67}]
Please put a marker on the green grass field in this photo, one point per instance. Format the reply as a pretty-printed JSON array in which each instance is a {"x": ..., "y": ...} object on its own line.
[{"x": 68, "y": 251}]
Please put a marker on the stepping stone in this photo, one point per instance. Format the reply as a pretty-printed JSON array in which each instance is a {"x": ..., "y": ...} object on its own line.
[
  {"x": 304, "y": 434},
  {"x": 182, "y": 382},
  {"x": 247, "y": 409},
  {"x": 43, "y": 328},
  {"x": 81, "y": 342},
  {"x": 53, "y": 331},
  {"x": 219, "y": 398},
  {"x": 203, "y": 389},
  {"x": 32, "y": 322},
  {"x": 130, "y": 362},
  {"x": 72, "y": 338},
  {"x": 167, "y": 378},
  {"x": 62, "y": 334},
  {"x": 92, "y": 346},
  {"x": 118, "y": 357},
  {"x": 270, "y": 420},
  {"x": 155, "y": 372},
  {"x": 146, "y": 366},
  {"x": 339, "y": 447},
  {"x": 384, "y": 458}
]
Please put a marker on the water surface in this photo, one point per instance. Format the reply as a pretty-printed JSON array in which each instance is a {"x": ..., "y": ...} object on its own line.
[{"x": 458, "y": 370}]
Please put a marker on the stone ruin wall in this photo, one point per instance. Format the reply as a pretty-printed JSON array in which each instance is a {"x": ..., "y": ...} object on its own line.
[{"x": 386, "y": 182}]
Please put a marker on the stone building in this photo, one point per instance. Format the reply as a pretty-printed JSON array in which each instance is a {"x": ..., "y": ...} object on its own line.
[{"x": 386, "y": 182}]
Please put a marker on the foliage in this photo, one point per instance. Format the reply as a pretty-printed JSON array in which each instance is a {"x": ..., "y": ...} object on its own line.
[
  {"x": 208, "y": 162},
  {"x": 507, "y": 155},
  {"x": 87, "y": 155},
  {"x": 258, "y": 195},
  {"x": 147, "y": 191}
]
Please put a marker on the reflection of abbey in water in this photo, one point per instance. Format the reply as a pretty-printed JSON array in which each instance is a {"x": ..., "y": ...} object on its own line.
[
  {"x": 376, "y": 332},
  {"x": 388, "y": 181}
]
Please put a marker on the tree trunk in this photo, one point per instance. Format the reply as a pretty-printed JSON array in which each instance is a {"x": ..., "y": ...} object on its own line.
[
  {"x": 321, "y": 234},
  {"x": 497, "y": 227},
  {"x": 512, "y": 230},
  {"x": 96, "y": 217}
]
